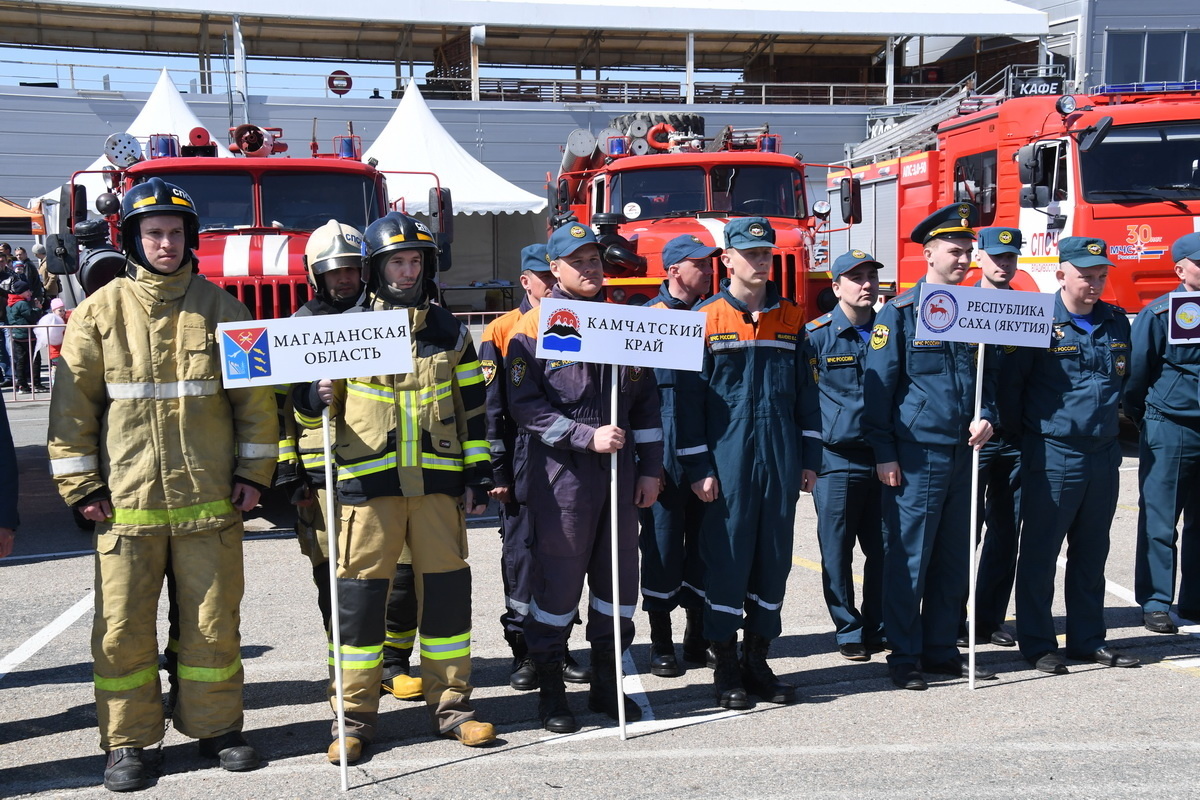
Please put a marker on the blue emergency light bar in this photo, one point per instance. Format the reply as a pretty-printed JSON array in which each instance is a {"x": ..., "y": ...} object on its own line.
[{"x": 1136, "y": 88}]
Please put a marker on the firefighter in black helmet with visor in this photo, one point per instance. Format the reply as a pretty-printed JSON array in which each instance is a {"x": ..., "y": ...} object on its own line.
[
  {"x": 140, "y": 356},
  {"x": 412, "y": 456}
]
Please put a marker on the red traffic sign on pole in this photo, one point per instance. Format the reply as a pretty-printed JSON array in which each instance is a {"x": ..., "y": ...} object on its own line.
[{"x": 339, "y": 82}]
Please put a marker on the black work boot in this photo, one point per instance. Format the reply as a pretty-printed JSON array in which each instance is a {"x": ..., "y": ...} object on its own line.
[
  {"x": 233, "y": 751},
  {"x": 553, "y": 710},
  {"x": 757, "y": 675},
  {"x": 662, "y": 649},
  {"x": 124, "y": 771},
  {"x": 573, "y": 671},
  {"x": 524, "y": 675},
  {"x": 695, "y": 646},
  {"x": 603, "y": 696},
  {"x": 727, "y": 675}
]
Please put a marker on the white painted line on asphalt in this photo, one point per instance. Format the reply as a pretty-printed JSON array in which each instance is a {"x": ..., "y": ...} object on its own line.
[
  {"x": 635, "y": 728},
  {"x": 632, "y": 684},
  {"x": 1112, "y": 588},
  {"x": 45, "y": 635},
  {"x": 49, "y": 556},
  {"x": 287, "y": 533}
]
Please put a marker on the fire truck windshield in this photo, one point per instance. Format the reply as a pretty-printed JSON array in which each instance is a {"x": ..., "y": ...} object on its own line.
[
  {"x": 305, "y": 201},
  {"x": 1143, "y": 162},
  {"x": 757, "y": 190},
  {"x": 657, "y": 193},
  {"x": 223, "y": 199}
]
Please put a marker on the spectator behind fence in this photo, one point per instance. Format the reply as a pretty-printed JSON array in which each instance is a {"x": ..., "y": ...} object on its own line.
[{"x": 21, "y": 312}]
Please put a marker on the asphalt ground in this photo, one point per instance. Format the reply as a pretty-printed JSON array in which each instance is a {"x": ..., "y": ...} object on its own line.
[{"x": 1096, "y": 732}]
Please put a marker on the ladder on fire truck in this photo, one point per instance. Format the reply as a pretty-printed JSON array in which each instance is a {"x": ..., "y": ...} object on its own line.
[{"x": 894, "y": 130}]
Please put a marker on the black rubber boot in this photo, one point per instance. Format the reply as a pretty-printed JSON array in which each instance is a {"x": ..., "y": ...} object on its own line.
[
  {"x": 124, "y": 771},
  {"x": 695, "y": 646},
  {"x": 233, "y": 751},
  {"x": 524, "y": 677},
  {"x": 727, "y": 676},
  {"x": 757, "y": 675},
  {"x": 573, "y": 671},
  {"x": 603, "y": 696},
  {"x": 662, "y": 649},
  {"x": 553, "y": 710}
]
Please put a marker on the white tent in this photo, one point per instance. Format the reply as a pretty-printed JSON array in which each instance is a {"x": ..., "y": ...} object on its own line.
[
  {"x": 414, "y": 141},
  {"x": 164, "y": 112}
]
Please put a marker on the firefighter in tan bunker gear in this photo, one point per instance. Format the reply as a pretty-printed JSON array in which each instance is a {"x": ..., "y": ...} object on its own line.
[
  {"x": 144, "y": 441},
  {"x": 407, "y": 447}
]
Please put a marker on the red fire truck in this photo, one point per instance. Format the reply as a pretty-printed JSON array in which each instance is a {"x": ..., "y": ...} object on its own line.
[
  {"x": 1121, "y": 164},
  {"x": 256, "y": 209},
  {"x": 655, "y": 180}
]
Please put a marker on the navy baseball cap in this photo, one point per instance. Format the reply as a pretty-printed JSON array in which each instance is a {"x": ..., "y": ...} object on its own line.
[
  {"x": 1186, "y": 247},
  {"x": 848, "y": 261},
  {"x": 746, "y": 233},
  {"x": 568, "y": 239},
  {"x": 995, "y": 241},
  {"x": 533, "y": 258},
  {"x": 1083, "y": 251},
  {"x": 955, "y": 221},
  {"x": 686, "y": 247}
]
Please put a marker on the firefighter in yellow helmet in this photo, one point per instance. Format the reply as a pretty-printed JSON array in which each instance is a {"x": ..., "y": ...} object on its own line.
[
  {"x": 333, "y": 259},
  {"x": 411, "y": 452},
  {"x": 145, "y": 442}
]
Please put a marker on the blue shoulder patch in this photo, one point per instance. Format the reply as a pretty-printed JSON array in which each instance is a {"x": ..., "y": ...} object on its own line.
[
  {"x": 1161, "y": 306},
  {"x": 907, "y": 297},
  {"x": 819, "y": 322}
]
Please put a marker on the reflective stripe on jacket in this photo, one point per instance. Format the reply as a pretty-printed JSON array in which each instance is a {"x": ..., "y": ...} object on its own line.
[{"x": 138, "y": 411}]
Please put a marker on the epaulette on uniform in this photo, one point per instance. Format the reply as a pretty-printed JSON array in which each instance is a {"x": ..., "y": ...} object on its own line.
[
  {"x": 1161, "y": 306},
  {"x": 905, "y": 300},
  {"x": 819, "y": 322}
]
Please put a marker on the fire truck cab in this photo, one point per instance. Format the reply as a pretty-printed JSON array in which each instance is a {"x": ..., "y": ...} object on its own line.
[
  {"x": 1121, "y": 164},
  {"x": 678, "y": 186},
  {"x": 256, "y": 211}
]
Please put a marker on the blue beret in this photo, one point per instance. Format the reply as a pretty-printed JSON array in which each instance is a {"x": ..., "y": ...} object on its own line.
[
  {"x": 994, "y": 241},
  {"x": 533, "y": 258},
  {"x": 1083, "y": 251},
  {"x": 746, "y": 233},
  {"x": 686, "y": 247},
  {"x": 955, "y": 221},
  {"x": 568, "y": 239},
  {"x": 848, "y": 261}
]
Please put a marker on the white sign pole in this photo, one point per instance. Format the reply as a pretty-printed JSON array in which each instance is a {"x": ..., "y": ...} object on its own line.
[
  {"x": 971, "y": 621},
  {"x": 613, "y": 515},
  {"x": 335, "y": 616}
]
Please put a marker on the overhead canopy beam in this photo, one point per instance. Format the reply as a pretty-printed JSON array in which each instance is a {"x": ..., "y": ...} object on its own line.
[{"x": 649, "y": 35}]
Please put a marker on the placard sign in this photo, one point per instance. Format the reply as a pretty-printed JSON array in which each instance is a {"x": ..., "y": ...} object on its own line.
[
  {"x": 628, "y": 336},
  {"x": 988, "y": 316},
  {"x": 1183, "y": 325},
  {"x": 275, "y": 351}
]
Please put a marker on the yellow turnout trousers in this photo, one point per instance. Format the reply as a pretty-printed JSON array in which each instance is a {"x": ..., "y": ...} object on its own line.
[
  {"x": 209, "y": 584},
  {"x": 371, "y": 539}
]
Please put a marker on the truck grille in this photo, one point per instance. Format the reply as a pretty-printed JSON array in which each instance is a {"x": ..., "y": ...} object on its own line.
[{"x": 268, "y": 298}]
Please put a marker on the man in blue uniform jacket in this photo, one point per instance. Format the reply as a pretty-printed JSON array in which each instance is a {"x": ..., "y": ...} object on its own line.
[
  {"x": 1163, "y": 399},
  {"x": 919, "y": 420},
  {"x": 1063, "y": 401},
  {"x": 847, "y": 492}
]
